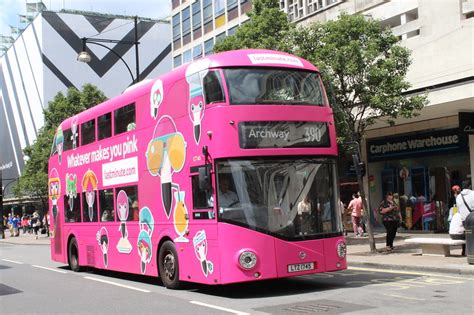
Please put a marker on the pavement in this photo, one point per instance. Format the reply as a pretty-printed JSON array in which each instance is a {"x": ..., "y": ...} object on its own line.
[{"x": 405, "y": 257}]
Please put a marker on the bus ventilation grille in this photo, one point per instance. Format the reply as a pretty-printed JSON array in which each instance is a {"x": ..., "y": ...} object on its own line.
[{"x": 91, "y": 255}]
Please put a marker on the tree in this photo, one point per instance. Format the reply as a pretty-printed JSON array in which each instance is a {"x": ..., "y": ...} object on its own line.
[
  {"x": 33, "y": 181},
  {"x": 266, "y": 28},
  {"x": 364, "y": 70}
]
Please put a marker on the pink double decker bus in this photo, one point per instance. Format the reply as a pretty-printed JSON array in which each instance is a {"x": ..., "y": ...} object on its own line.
[{"x": 221, "y": 171}]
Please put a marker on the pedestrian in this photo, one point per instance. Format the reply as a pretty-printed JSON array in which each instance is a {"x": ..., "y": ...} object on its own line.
[
  {"x": 24, "y": 223},
  {"x": 10, "y": 224},
  {"x": 465, "y": 200},
  {"x": 454, "y": 209},
  {"x": 356, "y": 207},
  {"x": 16, "y": 225},
  {"x": 36, "y": 223},
  {"x": 391, "y": 218},
  {"x": 456, "y": 230}
]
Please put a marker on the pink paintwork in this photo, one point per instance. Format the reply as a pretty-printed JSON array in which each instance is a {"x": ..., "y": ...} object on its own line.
[{"x": 159, "y": 156}]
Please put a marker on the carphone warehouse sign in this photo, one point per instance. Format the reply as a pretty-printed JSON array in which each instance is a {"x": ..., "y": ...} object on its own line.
[{"x": 410, "y": 145}]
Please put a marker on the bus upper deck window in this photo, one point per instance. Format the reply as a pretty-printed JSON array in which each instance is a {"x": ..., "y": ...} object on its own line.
[
  {"x": 213, "y": 88},
  {"x": 124, "y": 119},
  {"x": 88, "y": 132},
  {"x": 104, "y": 124},
  {"x": 67, "y": 140}
]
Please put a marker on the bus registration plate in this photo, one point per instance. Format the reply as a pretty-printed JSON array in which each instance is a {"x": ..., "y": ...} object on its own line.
[{"x": 301, "y": 267}]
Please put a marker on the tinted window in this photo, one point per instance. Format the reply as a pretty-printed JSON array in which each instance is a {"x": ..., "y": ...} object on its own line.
[
  {"x": 213, "y": 88},
  {"x": 106, "y": 203},
  {"x": 89, "y": 206},
  {"x": 67, "y": 140},
  {"x": 104, "y": 124},
  {"x": 72, "y": 206},
  {"x": 88, "y": 132},
  {"x": 124, "y": 118},
  {"x": 202, "y": 199}
]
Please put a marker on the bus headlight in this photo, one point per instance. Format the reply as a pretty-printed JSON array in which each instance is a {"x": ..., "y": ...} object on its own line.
[
  {"x": 341, "y": 249},
  {"x": 247, "y": 260}
]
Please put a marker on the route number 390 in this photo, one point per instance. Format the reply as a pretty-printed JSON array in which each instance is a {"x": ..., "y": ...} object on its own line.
[{"x": 312, "y": 134}]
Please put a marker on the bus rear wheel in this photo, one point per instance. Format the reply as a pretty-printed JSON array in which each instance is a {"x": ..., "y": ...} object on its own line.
[
  {"x": 168, "y": 266},
  {"x": 73, "y": 256}
]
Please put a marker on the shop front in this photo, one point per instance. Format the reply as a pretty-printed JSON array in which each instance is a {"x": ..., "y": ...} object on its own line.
[{"x": 420, "y": 169}]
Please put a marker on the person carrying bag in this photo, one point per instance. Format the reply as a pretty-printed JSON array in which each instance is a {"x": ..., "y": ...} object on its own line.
[{"x": 391, "y": 218}]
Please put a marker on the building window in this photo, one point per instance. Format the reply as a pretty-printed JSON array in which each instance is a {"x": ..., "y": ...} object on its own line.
[
  {"x": 207, "y": 10},
  {"x": 124, "y": 119},
  {"x": 208, "y": 46},
  {"x": 197, "y": 52},
  {"x": 196, "y": 14},
  {"x": 174, "y": 4},
  {"x": 88, "y": 132},
  {"x": 220, "y": 37},
  {"x": 104, "y": 123},
  {"x": 231, "y": 4},
  {"x": 186, "y": 21},
  {"x": 231, "y": 31},
  {"x": 219, "y": 7},
  {"x": 176, "y": 27},
  {"x": 177, "y": 61},
  {"x": 187, "y": 56}
]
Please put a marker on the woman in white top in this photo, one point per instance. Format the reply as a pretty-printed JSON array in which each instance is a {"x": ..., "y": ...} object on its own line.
[{"x": 456, "y": 230}]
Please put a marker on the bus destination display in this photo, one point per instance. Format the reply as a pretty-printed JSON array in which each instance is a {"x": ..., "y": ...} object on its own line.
[{"x": 278, "y": 134}]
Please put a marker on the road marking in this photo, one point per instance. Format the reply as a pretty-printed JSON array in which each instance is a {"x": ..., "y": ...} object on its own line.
[
  {"x": 411, "y": 273},
  {"x": 219, "y": 308},
  {"x": 405, "y": 297},
  {"x": 118, "y": 284},
  {"x": 50, "y": 269},
  {"x": 13, "y": 261}
]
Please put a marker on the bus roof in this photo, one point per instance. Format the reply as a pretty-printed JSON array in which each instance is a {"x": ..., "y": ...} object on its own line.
[{"x": 233, "y": 58}]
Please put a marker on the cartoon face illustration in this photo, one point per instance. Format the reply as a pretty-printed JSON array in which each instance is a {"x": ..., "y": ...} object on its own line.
[
  {"x": 102, "y": 237},
  {"x": 166, "y": 154},
  {"x": 200, "y": 249},
  {"x": 156, "y": 98},
  {"x": 146, "y": 221},
  {"x": 89, "y": 186},
  {"x": 195, "y": 73},
  {"x": 54, "y": 191},
  {"x": 74, "y": 132},
  {"x": 71, "y": 189},
  {"x": 144, "y": 247},
  {"x": 122, "y": 205},
  {"x": 59, "y": 141}
]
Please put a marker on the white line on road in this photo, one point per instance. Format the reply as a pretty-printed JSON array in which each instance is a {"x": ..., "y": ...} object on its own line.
[
  {"x": 219, "y": 308},
  {"x": 50, "y": 269},
  {"x": 405, "y": 297},
  {"x": 13, "y": 261},
  {"x": 410, "y": 273},
  {"x": 118, "y": 284}
]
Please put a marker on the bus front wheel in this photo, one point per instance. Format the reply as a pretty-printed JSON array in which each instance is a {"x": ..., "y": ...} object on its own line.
[
  {"x": 73, "y": 255},
  {"x": 168, "y": 265}
]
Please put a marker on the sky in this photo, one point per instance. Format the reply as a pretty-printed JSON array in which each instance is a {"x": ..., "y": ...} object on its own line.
[{"x": 156, "y": 9}]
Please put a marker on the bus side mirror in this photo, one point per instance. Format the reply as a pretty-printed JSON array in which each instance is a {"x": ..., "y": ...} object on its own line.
[{"x": 204, "y": 178}]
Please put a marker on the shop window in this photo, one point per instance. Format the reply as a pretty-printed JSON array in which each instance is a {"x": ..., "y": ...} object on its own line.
[
  {"x": 67, "y": 140},
  {"x": 72, "y": 206},
  {"x": 106, "y": 205},
  {"x": 124, "y": 119},
  {"x": 89, "y": 206},
  {"x": 127, "y": 203},
  {"x": 213, "y": 88},
  {"x": 88, "y": 132},
  {"x": 104, "y": 124}
]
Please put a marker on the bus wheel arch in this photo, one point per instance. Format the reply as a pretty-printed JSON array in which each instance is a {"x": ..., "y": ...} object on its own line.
[
  {"x": 168, "y": 264},
  {"x": 73, "y": 254}
]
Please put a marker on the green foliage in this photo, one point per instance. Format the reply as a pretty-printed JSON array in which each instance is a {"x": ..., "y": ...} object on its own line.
[
  {"x": 34, "y": 178},
  {"x": 364, "y": 70},
  {"x": 266, "y": 28}
]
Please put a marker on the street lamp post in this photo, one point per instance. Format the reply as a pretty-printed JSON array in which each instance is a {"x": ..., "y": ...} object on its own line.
[{"x": 84, "y": 56}]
